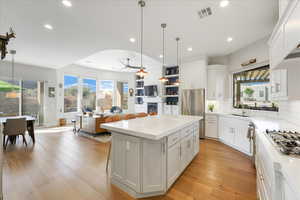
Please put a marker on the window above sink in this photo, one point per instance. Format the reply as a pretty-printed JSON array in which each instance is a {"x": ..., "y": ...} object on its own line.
[{"x": 252, "y": 90}]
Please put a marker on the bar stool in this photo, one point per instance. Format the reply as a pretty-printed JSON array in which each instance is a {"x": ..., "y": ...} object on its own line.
[
  {"x": 74, "y": 125},
  {"x": 108, "y": 120}
]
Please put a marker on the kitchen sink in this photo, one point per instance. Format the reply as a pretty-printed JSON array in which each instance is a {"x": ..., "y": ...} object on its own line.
[{"x": 240, "y": 115}]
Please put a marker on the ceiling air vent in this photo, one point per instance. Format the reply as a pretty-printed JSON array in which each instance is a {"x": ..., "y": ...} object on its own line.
[{"x": 205, "y": 12}]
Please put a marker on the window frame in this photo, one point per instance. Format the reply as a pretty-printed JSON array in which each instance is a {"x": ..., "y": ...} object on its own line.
[
  {"x": 269, "y": 108},
  {"x": 79, "y": 91},
  {"x": 113, "y": 92},
  {"x": 82, "y": 85}
]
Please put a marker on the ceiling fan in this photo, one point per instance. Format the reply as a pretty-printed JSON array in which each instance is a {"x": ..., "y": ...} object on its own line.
[{"x": 127, "y": 65}]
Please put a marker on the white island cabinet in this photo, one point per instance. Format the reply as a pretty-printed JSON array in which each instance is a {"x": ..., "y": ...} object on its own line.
[{"x": 149, "y": 154}]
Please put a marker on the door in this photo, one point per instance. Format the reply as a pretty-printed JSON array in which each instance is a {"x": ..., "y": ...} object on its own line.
[
  {"x": 196, "y": 142},
  {"x": 173, "y": 163},
  {"x": 241, "y": 140},
  {"x": 167, "y": 110},
  {"x": 132, "y": 163},
  {"x": 211, "y": 126},
  {"x": 187, "y": 151},
  {"x": 118, "y": 157},
  {"x": 154, "y": 165},
  {"x": 226, "y": 130}
]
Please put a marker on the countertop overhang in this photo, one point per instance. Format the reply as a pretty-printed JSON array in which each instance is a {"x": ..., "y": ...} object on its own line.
[{"x": 152, "y": 127}]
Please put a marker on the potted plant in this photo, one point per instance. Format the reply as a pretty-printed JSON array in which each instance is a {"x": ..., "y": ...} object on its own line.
[
  {"x": 211, "y": 107},
  {"x": 249, "y": 92}
]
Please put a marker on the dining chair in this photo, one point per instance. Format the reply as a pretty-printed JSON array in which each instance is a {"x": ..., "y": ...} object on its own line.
[
  {"x": 138, "y": 115},
  {"x": 110, "y": 119},
  {"x": 13, "y": 128}
]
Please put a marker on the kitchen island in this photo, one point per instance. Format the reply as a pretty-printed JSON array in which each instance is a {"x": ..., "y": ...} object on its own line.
[{"x": 149, "y": 154}]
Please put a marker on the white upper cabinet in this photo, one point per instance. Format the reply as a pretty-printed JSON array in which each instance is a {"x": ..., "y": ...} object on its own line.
[
  {"x": 217, "y": 82},
  {"x": 285, "y": 83},
  {"x": 292, "y": 28},
  {"x": 279, "y": 89},
  {"x": 282, "y": 4},
  {"x": 286, "y": 35}
]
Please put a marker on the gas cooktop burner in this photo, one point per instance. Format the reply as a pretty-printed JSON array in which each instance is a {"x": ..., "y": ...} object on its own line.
[{"x": 287, "y": 141}]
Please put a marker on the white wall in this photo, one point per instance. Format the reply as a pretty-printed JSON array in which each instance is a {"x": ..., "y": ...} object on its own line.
[
  {"x": 84, "y": 72},
  {"x": 52, "y": 78},
  {"x": 258, "y": 50},
  {"x": 288, "y": 110},
  {"x": 34, "y": 73},
  {"x": 193, "y": 74}
]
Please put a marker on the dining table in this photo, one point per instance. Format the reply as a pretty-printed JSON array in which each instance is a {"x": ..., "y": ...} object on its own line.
[{"x": 30, "y": 124}]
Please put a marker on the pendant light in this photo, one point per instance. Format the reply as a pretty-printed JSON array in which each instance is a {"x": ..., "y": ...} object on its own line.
[
  {"x": 163, "y": 26},
  {"x": 177, "y": 44},
  {"x": 13, "y": 94},
  {"x": 142, "y": 72}
]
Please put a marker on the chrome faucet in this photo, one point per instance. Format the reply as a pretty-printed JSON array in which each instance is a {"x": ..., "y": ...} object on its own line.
[{"x": 244, "y": 112}]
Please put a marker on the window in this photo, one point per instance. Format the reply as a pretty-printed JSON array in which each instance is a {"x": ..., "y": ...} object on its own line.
[
  {"x": 70, "y": 93},
  {"x": 106, "y": 94},
  {"x": 122, "y": 95},
  {"x": 89, "y": 94},
  {"x": 251, "y": 89},
  {"x": 9, "y": 98}
]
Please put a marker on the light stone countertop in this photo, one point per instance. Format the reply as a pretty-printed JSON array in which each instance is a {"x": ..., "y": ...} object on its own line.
[
  {"x": 152, "y": 127},
  {"x": 290, "y": 165}
]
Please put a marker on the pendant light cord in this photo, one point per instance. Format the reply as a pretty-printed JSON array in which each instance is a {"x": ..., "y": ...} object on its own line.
[
  {"x": 177, "y": 39},
  {"x": 163, "y": 46},
  {"x": 142, "y": 33},
  {"x": 13, "y": 68}
]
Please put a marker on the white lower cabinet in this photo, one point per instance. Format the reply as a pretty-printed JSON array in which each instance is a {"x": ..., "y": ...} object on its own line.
[
  {"x": 118, "y": 157},
  {"x": 187, "y": 152},
  {"x": 144, "y": 167},
  {"x": 211, "y": 126},
  {"x": 233, "y": 132},
  {"x": 125, "y": 164},
  {"x": 154, "y": 166},
  {"x": 171, "y": 109},
  {"x": 132, "y": 163},
  {"x": 272, "y": 184},
  {"x": 173, "y": 163},
  {"x": 181, "y": 152}
]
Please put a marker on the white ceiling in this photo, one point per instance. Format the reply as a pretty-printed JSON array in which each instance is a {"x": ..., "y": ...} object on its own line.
[
  {"x": 92, "y": 26},
  {"x": 114, "y": 59}
]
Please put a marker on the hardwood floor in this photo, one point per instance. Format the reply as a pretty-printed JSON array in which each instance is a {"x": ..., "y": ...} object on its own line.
[{"x": 63, "y": 166}]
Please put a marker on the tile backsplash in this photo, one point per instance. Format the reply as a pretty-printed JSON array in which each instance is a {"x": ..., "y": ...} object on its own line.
[{"x": 288, "y": 110}]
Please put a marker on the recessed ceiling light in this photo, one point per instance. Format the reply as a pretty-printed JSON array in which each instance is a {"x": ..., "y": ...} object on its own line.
[
  {"x": 224, "y": 3},
  {"x": 132, "y": 40},
  {"x": 229, "y": 39},
  {"x": 190, "y": 49},
  {"x": 67, "y": 3},
  {"x": 161, "y": 56},
  {"x": 48, "y": 26}
]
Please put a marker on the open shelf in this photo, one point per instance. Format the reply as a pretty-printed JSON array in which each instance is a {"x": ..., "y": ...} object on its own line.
[{"x": 171, "y": 76}]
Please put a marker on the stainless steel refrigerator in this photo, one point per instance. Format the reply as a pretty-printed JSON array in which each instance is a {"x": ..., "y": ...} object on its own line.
[{"x": 193, "y": 103}]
